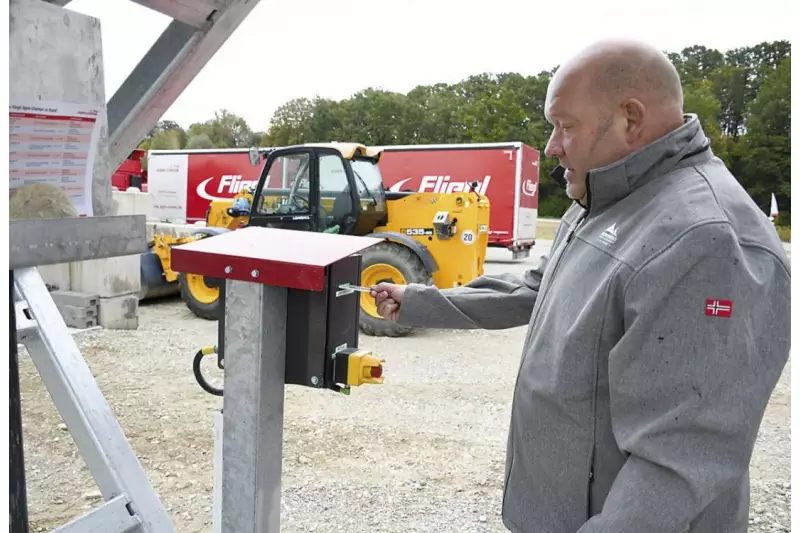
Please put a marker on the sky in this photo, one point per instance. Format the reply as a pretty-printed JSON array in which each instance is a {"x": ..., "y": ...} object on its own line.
[{"x": 303, "y": 48}]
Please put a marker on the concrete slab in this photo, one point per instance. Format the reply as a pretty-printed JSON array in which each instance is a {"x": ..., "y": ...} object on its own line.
[
  {"x": 57, "y": 276},
  {"x": 109, "y": 277}
]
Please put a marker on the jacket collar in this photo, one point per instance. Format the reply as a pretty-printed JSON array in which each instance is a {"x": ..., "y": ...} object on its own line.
[{"x": 614, "y": 182}]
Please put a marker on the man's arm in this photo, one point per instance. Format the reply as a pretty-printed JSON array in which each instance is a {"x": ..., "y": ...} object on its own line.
[
  {"x": 488, "y": 302},
  {"x": 707, "y": 337}
]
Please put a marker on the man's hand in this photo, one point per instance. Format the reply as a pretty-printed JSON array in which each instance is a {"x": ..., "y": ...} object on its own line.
[{"x": 388, "y": 297}]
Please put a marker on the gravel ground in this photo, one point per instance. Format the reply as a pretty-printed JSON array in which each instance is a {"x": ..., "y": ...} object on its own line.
[{"x": 423, "y": 452}]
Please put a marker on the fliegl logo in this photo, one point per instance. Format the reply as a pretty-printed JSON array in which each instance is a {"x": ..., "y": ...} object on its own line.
[
  {"x": 229, "y": 185},
  {"x": 442, "y": 184},
  {"x": 529, "y": 187}
]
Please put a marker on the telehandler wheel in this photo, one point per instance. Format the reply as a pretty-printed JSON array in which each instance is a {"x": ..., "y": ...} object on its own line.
[
  {"x": 201, "y": 295},
  {"x": 393, "y": 263}
]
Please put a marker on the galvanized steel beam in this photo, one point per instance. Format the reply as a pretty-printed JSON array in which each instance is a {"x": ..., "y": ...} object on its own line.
[
  {"x": 192, "y": 12},
  {"x": 162, "y": 75},
  {"x": 64, "y": 240},
  {"x": 253, "y": 407}
]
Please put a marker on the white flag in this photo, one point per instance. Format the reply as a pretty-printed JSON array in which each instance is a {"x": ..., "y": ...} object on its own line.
[{"x": 773, "y": 207}]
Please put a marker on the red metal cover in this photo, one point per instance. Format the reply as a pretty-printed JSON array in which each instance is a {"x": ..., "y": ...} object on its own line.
[{"x": 284, "y": 258}]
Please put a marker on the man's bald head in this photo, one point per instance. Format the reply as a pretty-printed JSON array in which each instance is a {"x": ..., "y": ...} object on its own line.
[
  {"x": 608, "y": 101},
  {"x": 620, "y": 69},
  {"x": 611, "y": 71}
]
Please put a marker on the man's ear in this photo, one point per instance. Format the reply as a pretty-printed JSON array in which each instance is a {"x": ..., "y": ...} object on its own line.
[{"x": 634, "y": 112}]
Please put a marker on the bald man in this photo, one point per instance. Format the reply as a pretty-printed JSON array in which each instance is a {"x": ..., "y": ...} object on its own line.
[{"x": 657, "y": 329}]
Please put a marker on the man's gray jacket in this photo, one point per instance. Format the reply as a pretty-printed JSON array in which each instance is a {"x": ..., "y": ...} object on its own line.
[{"x": 657, "y": 330}]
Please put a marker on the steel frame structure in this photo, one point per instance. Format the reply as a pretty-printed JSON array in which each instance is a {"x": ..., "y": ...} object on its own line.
[{"x": 198, "y": 29}]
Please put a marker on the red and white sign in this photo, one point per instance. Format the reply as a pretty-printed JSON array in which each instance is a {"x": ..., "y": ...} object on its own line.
[
  {"x": 53, "y": 143},
  {"x": 720, "y": 308}
]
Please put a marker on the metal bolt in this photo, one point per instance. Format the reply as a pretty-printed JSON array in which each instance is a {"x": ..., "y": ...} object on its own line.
[
  {"x": 254, "y": 273},
  {"x": 314, "y": 380},
  {"x": 228, "y": 269}
]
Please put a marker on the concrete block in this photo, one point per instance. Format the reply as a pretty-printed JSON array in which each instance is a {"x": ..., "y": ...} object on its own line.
[
  {"x": 119, "y": 312},
  {"x": 112, "y": 276},
  {"x": 124, "y": 203},
  {"x": 75, "y": 299},
  {"x": 80, "y": 323},
  {"x": 134, "y": 202},
  {"x": 56, "y": 276},
  {"x": 142, "y": 203},
  {"x": 145, "y": 205},
  {"x": 77, "y": 313}
]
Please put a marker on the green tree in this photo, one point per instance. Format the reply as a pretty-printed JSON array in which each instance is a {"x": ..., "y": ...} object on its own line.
[
  {"x": 696, "y": 62},
  {"x": 226, "y": 130},
  {"x": 742, "y": 77},
  {"x": 766, "y": 153},
  {"x": 165, "y": 135},
  {"x": 172, "y": 139},
  {"x": 290, "y": 124},
  {"x": 199, "y": 141}
]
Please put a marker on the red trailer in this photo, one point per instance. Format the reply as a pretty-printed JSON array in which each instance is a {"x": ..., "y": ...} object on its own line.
[
  {"x": 183, "y": 182},
  {"x": 507, "y": 173}
]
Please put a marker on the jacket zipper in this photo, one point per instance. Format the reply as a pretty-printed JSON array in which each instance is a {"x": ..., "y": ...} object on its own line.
[
  {"x": 544, "y": 294},
  {"x": 555, "y": 269}
]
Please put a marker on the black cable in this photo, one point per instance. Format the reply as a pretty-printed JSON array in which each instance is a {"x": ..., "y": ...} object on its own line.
[{"x": 201, "y": 379}]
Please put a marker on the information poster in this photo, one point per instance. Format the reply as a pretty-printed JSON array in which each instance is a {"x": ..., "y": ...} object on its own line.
[{"x": 52, "y": 142}]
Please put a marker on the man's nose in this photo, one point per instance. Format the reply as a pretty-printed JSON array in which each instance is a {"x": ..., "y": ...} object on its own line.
[{"x": 553, "y": 148}]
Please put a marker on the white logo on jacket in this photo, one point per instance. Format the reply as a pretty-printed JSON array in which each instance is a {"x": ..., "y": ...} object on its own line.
[{"x": 609, "y": 235}]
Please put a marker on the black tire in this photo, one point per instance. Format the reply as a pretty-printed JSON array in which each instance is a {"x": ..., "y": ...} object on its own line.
[
  {"x": 201, "y": 379},
  {"x": 208, "y": 311},
  {"x": 409, "y": 265}
]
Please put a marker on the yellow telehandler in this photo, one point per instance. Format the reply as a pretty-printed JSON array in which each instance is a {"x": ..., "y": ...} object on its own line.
[{"x": 430, "y": 238}]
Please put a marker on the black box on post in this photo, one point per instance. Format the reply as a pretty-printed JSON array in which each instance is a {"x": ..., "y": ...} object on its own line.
[
  {"x": 318, "y": 324},
  {"x": 321, "y": 323}
]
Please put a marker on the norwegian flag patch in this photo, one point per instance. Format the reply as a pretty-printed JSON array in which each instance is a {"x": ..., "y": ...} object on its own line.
[{"x": 719, "y": 308}]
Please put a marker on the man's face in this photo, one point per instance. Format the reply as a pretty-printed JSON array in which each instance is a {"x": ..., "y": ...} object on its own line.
[{"x": 588, "y": 130}]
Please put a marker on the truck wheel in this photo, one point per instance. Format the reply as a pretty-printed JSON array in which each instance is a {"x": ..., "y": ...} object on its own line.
[
  {"x": 201, "y": 295},
  {"x": 393, "y": 263}
]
